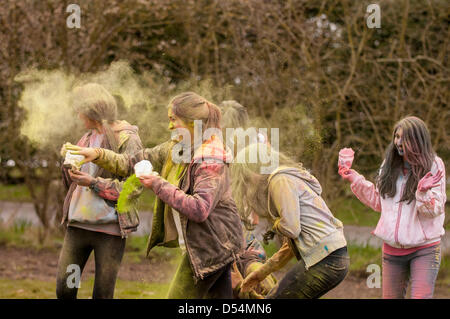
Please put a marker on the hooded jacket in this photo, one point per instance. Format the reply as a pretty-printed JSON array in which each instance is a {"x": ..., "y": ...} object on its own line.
[
  {"x": 210, "y": 222},
  {"x": 403, "y": 225},
  {"x": 299, "y": 212},
  {"x": 107, "y": 185}
]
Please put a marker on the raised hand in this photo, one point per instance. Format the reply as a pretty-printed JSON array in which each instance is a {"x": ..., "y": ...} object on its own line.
[
  {"x": 347, "y": 173},
  {"x": 429, "y": 181}
]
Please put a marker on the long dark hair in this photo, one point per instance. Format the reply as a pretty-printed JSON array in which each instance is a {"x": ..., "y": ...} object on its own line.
[{"x": 418, "y": 152}]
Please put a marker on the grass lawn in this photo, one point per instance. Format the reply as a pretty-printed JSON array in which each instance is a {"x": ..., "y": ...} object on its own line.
[
  {"x": 20, "y": 193},
  {"x": 33, "y": 289},
  {"x": 14, "y": 193}
]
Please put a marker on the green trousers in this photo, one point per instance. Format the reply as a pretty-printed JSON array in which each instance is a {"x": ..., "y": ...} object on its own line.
[{"x": 215, "y": 286}]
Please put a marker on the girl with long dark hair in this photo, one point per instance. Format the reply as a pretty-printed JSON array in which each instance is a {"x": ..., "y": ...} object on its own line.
[{"x": 410, "y": 194}]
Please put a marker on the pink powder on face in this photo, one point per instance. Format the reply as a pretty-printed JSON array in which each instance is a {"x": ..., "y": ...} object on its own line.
[{"x": 346, "y": 156}]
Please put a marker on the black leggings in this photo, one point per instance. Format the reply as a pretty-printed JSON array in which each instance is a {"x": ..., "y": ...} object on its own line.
[{"x": 78, "y": 244}]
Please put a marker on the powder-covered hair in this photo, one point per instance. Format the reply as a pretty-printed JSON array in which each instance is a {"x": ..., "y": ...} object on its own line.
[
  {"x": 96, "y": 103},
  {"x": 234, "y": 115},
  {"x": 418, "y": 152},
  {"x": 250, "y": 188},
  {"x": 190, "y": 106}
]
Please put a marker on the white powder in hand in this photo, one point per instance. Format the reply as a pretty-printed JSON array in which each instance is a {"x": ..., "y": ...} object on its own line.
[{"x": 143, "y": 168}]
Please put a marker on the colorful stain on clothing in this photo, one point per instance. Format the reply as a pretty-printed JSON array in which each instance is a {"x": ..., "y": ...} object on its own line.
[
  {"x": 318, "y": 202},
  {"x": 126, "y": 200},
  {"x": 326, "y": 248},
  {"x": 320, "y": 224}
]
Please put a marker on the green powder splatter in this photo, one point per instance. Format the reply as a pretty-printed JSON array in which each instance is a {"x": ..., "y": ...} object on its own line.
[{"x": 129, "y": 195}]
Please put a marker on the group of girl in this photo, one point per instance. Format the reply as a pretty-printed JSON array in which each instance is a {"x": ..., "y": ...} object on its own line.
[{"x": 201, "y": 206}]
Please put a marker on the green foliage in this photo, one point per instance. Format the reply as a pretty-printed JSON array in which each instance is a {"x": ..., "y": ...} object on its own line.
[
  {"x": 361, "y": 257},
  {"x": 15, "y": 193},
  {"x": 350, "y": 211}
]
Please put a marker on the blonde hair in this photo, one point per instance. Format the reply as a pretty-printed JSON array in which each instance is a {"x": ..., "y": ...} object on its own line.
[
  {"x": 96, "y": 103},
  {"x": 189, "y": 106},
  {"x": 234, "y": 115},
  {"x": 250, "y": 187}
]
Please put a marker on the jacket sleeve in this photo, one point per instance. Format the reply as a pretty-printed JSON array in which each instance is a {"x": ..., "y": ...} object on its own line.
[
  {"x": 123, "y": 164},
  {"x": 277, "y": 261},
  {"x": 367, "y": 193},
  {"x": 285, "y": 197},
  {"x": 110, "y": 188},
  {"x": 432, "y": 202},
  {"x": 207, "y": 190},
  {"x": 65, "y": 177}
]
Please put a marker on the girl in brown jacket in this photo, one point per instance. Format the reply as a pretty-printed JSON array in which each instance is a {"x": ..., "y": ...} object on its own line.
[{"x": 194, "y": 208}]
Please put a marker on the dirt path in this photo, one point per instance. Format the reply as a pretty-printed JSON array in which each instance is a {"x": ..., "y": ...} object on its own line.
[
  {"x": 355, "y": 287},
  {"x": 26, "y": 263}
]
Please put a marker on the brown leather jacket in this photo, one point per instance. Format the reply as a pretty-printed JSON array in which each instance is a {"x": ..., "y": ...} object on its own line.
[{"x": 210, "y": 221}]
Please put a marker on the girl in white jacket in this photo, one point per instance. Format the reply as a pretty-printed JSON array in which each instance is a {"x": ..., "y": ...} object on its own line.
[{"x": 410, "y": 194}]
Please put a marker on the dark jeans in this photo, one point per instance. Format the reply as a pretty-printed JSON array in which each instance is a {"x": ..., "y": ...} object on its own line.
[
  {"x": 215, "y": 286},
  {"x": 78, "y": 245},
  {"x": 299, "y": 283}
]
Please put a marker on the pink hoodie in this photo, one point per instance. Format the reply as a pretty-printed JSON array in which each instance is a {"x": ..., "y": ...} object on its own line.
[{"x": 404, "y": 225}]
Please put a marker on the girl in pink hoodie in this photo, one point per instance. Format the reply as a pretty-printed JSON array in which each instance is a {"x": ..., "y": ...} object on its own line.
[{"x": 410, "y": 194}]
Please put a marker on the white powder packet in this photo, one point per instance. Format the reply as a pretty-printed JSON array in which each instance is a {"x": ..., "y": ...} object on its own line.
[
  {"x": 72, "y": 160},
  {"x": 143, "y": 168}
]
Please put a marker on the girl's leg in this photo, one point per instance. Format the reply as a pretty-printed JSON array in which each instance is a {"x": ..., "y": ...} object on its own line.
[
  {"x": 395, "y": 276},
  {"x": 216, "y": 285},
  {"x": 425, "y": 265},
  {"x": 108, "y": 251},
  {"x": 300, "y": 283},
  {"x": 75, "y": 251},
  {"x": 219, "y": 284},
  {"x": 182, "y": 285}
]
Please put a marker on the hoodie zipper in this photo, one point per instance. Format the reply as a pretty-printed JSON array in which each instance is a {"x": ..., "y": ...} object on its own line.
[{"x": 399, "y": 215}]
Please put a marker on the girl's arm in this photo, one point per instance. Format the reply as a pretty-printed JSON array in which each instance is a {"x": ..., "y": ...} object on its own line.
[
  {"x": 285, "y": 197},
  {"x": 109, "y": 188},
  {"x": 365, "y": 191},
  {"x": 123, "y": 164},
  {"x": 277, "y": 261},
  {"x": 207, "y": 190},
  {"x": 431, "y": 203},
  {"x": 274, "y": 263}
]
